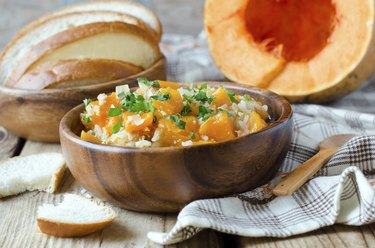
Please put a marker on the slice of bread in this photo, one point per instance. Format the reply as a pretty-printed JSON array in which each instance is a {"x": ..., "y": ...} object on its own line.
[
  {"x": 104, "y": 40},
  {"x": 131, "y": 8},
  {"x": 44, "y": 28},
  {"x": 76, "y": 72},
  {"x": 41, "y": 172},
  {"x": 74, "y": 216}
]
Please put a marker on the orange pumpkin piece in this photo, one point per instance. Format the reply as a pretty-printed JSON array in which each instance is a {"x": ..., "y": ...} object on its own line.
[
  {"x": 172, "y": 106},
  {"x": 169, "y": 133},
  {"x": 137, "y": 122},
  {"x": 192, "y": 125},
  {"x": 89, "y": 137},
  {"x": 255, "y": 122},
  {"x": 221, "y": 97},
  {"x": 218, "y": 127},
  {"x": 166, "y": 84},
  {"x": 102, "y": 119}
]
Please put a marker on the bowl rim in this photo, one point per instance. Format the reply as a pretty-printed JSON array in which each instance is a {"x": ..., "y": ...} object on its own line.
[
  {"x": 17, "y": 91},
  {"x": 285, "y": 116}
]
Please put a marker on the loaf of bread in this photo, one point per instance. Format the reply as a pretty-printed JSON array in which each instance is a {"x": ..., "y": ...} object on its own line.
[{"x": 85, "y": 35}]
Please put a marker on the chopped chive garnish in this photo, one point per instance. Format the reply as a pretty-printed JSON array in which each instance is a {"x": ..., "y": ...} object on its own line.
[
  {"x": 140, "y": 98},
  {"x": 133, "y": 103},
  {"x": 247, "y": 97},
  {"x": 231, "y": 96},
  {"x": 148, "y": 83},
  {"x": 87, "y": 101},
  {"x": 181, "y": 124},
  {"x": 204, "y": 112},
  {"x": 202, "y": 97},
  {"x": 192, "y": 135},
  {"x": 86, "y": 119},
  {"x": 114, "y": 112},
  {"x": 176, "y": 119},
  {"x": 203, "y": 87},
  {"x": 162, "y": 97},
  {"x": 186, "y": 109},
  {"x": 188, "y": 98},
  {"x": 116, "y": 127}
]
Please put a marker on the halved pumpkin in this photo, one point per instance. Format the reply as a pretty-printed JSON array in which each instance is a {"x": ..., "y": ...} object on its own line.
[{"x": 305, "y": 50}]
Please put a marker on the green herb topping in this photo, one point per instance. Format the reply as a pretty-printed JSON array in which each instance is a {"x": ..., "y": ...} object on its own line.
[
  {"x": 86, "y": 119},
  {"x": 162, "y": 97},
  {"x": 204, "y": 112},
  {"x": 114, "y": 112},
  {"x": 192, "y": 135},
  {"x": 148, "y": 83},
  {"x": 116, "y": 127},
  {"x": 133, "y": 103},
  {"x": 231, "y": 96},
  {"x": 87, "y": 101},
  {"x": 203, "y": 87},
  {"x": 186, "y": 109},
  {"x": 176, "y": 118}
]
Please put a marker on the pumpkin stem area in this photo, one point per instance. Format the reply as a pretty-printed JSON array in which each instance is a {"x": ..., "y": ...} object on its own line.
[{"x": 296, "y": 30}]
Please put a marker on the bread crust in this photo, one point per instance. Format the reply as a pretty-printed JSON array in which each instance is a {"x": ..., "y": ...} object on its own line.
[
  {"x": 71, "y": 227},
  {"x": 75, "y": 72},
  {"x": 157, "y": 25},
  {"x": 61, "y": 229},
  {"x": 56, "y": 179},
  {"x": 74, "y": 34}
]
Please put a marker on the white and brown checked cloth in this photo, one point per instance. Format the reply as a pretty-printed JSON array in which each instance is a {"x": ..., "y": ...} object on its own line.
[{"x": 342, "y": 192}]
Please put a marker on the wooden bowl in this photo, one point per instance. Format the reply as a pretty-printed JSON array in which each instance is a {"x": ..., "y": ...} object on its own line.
[
  {"x": 36, "y": 114},
  {"x": 166, "y": 179}
]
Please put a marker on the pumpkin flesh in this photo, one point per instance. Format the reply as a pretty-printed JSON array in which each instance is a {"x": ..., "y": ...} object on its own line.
[
  {"x": 295, "y": 30},
  {"x": 305, "y": 50}
]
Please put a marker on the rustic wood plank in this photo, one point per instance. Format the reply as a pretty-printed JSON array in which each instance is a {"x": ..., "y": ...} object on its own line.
[
  {"x": 18, "y": 227},
  {"x": 8, "y": 143},
  {"x": 333, "y": 236}
]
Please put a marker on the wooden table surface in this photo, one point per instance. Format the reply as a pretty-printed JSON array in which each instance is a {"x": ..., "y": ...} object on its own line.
[{"x": 17, "y": 214}]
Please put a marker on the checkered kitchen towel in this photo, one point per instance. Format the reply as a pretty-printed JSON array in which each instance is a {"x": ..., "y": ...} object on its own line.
[{"x": 341, "y": 192}]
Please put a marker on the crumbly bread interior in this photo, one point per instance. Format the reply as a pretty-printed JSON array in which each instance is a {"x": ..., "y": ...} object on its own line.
[
  {"x": 75, "y": 209},
  {"x": 116, "y": 46},
  {"x": 41, "y": 172}
]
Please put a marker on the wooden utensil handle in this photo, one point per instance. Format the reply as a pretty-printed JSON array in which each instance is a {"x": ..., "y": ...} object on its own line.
[{"x": 302, "y": 173}]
